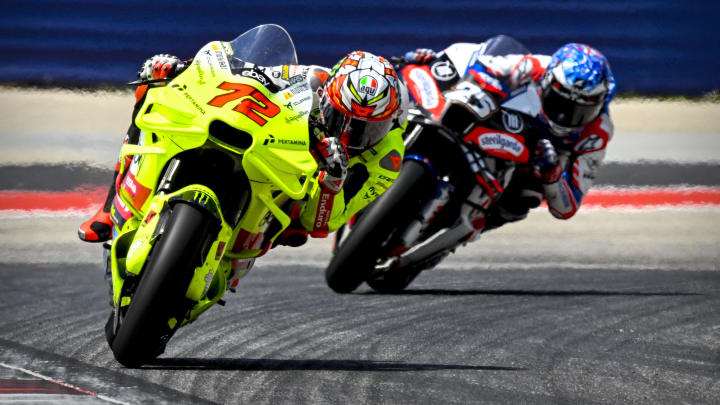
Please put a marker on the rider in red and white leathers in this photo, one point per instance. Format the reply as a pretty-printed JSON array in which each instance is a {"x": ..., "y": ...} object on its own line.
[{"x": 567, "y": 94}]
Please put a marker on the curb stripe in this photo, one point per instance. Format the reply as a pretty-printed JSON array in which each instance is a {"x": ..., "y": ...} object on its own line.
[
  {"x": 91, "y": 198},
  {"x": 78, "y": 199},
  {"x": 653, "y": 197}
]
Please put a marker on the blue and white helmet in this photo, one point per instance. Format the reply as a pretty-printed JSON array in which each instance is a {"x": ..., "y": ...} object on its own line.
[{"x": 576, "y": 88}]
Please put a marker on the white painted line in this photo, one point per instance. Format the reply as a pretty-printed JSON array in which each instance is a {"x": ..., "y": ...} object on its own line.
[{"x": 46, "y": 378}]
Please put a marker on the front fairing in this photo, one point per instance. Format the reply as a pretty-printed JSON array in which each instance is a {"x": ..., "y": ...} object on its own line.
[{"x": 274, "y": 132}]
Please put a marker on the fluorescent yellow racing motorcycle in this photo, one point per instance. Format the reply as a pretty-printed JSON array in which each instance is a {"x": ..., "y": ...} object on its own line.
[{"x": 221, "y": 155}]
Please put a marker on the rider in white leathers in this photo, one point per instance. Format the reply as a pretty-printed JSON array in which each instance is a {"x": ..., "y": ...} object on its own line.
[{"x": 567, "y": 96}]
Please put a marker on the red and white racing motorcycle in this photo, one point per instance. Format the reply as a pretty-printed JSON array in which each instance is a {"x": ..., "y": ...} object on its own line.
[{"x": 454, "y": 173}]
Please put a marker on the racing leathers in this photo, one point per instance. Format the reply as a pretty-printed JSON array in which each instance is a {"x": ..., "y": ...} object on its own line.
[{"x": 485, "y": 81}]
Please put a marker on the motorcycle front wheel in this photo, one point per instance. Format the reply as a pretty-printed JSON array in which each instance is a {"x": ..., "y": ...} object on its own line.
[
  {"x": 357, "y": 256},
  {"x": 393, "y": 281},
  {"x": 144, "y": 330}
]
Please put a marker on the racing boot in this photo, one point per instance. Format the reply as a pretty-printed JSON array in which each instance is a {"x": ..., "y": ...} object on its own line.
[
  {"x": 99, "y": 227},
  {"x": 294, "y": 235}
]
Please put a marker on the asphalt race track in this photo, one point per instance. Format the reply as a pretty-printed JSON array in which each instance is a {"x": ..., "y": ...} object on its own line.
[
  {"x": 609, "y": 326},
  {"x": 614, "y": 306}
]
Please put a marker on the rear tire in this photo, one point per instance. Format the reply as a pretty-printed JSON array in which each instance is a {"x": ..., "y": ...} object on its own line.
[
  {"x": 160, "y": 294},
  {"x": 356, "y": 257}
]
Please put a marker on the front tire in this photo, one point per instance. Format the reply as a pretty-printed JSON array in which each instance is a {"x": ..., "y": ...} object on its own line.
[
  {"x": 356, "y": 257},
  {"x": 160, "y": 294},
  {"x": 394, "y": 280}
]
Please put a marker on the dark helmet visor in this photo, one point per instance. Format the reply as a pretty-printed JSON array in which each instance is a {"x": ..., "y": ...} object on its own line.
[{"x": 570, "y": 112}]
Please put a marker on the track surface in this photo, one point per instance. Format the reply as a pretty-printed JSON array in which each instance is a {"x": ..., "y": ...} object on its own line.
[
  {"x": 635, "y": 321},
  {"x": 609, "y": 307}
]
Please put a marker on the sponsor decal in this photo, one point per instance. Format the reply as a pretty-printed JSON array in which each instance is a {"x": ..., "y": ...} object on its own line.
[
  {"x": 221, "y": 59},
  {"x": 391, "y": 161},
  {"x": 295, "y": 90},
  {"x": 512, "y": 122},
  {"x": 501, "y": 141},
  {"x": 208, "y": 59},
  {"x": 138, "y": 193},
  {"x": 368, "y": 85},
  {"x": 296, "y": 117},
  {"x": 443, "y": 71},
  {"x": 120, "y": 213},
  {"x": 425, "y": 87},
  {"x": 228, "y": 49},
  {"x": 254, "y": 74},
  {"x": 200, "y": 72},
  {"x": 292, "y": 142},
  {"x": 500, "y": 144},
  {"x": 188, "y": 96},
  {"x": 285, "y": 72},
  {"x": 295, "y": 142},
  {"x": 371, "y": 194},
  {"x": 386, "y": 178},
  {"x": 303, "y": 100},
  {"x": 201, "y": 198},
  {"x": 323, "y": 212},
  {"x": 259, "y": 76},
  {"x": 296, "y": 79}
]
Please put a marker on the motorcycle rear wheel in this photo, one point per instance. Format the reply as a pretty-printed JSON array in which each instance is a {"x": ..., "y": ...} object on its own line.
[
  {"x": 144, "y": 330},
  {"x": 355, "y": 259}
]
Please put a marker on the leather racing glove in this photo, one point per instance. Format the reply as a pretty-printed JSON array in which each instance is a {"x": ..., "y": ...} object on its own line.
[
  {"x": 158, "y": 67},
  {"x": 546, "y": 165},
  {"x": 420, "y": 56},
  {"x": 333, "y": 162}
]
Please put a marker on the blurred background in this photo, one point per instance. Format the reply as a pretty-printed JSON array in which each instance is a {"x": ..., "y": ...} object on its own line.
[{"x": 654, "y": 46}]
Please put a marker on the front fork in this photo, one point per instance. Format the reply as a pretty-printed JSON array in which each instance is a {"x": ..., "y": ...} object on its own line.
[
  {"x": 471, "y": 222},
  {"x": 130, "y": 250},
  {"x": 466, "y": 229}
]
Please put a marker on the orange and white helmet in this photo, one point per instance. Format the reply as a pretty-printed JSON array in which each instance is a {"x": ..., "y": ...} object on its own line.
[{"x": 360, "y": 100}]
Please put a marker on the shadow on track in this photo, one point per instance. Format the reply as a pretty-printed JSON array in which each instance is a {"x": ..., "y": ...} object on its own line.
[
  {"x": 308, "y": 365},
  {"x": 538, "y": 293}
]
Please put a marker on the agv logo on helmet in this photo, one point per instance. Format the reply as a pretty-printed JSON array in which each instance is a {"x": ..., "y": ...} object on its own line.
[{"x": 368, "y": 86}]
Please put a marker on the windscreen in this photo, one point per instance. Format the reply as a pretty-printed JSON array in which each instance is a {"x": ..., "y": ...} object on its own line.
[{"x": 264, "y": 45}]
